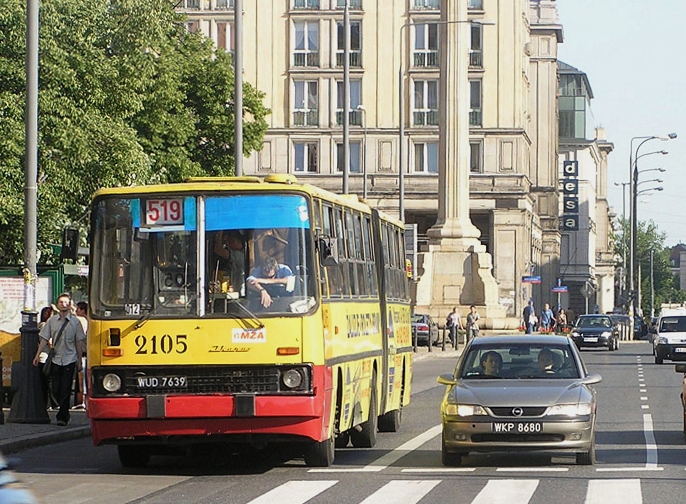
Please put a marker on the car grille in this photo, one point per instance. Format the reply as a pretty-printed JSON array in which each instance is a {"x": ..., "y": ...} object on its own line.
[
  {"x": 526, "y": 411},
  {"x": 517, "y": 438}
]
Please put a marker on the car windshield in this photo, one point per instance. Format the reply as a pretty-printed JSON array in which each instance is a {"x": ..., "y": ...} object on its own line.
[
  {"x": 588, "y": 322},
  {"x": 673, "y": 324},
  {"x": 519, "y": 361},
  {"x": 421, "y": 319}
]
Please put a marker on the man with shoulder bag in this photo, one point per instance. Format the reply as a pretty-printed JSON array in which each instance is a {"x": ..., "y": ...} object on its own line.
[{"x": 68, "y": 341}]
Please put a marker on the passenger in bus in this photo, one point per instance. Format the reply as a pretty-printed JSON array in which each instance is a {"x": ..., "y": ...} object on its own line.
[
  {"x": 269, "y": 280},
  {"x": 229, "y": 269}
]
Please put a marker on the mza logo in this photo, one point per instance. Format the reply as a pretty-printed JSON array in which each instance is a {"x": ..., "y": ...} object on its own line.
[{"x": 249, "y": 335}]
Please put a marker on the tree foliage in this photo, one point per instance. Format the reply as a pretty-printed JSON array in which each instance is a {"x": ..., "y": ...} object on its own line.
[
  {"x": 127, "y": 96},
  {"x": 649, "y": 237}
]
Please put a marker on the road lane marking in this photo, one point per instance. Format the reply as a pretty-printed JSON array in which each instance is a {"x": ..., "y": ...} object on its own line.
[
  {"x": 433, "y": 470},
  {"x": 506, "y": 492},
  {"x": 294, "y": 492},
  {"x": 391, "y": 457},
  {"x": 616, "y": 491},
  {"x": 532, "y": 469},
  {"x": 651, "y": 445},
  {"x": 402, "y": 491},
  {"x": 645, "y": 406},
  {"x": 628, "y": 469},
  {"x": 644, "y": 398}
]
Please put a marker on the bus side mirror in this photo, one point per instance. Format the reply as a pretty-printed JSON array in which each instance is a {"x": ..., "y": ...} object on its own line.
[{"x": 328, "y": 251}]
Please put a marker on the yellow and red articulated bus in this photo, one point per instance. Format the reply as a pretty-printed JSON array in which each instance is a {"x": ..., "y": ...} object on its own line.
[{"x": 245, "y": 311}]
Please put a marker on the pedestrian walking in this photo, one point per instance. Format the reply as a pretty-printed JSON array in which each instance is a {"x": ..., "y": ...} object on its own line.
[
  {"x": 547, "y": 319},
  {"x": 453, "y": 323},
  {"x": 530, "y": 318},
  {"x": 68, "y": 340},
  {"x": 472, "y": 323}
]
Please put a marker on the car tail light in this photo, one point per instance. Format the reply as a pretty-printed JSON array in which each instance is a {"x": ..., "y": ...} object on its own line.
[{"x": 422, "y": 327}]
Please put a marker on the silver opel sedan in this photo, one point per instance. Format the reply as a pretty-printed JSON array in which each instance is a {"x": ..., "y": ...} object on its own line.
[{"x": 518, "y": 392}]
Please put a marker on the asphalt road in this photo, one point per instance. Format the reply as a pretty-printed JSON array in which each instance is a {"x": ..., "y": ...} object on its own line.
[{"x": 640, "y": 450}]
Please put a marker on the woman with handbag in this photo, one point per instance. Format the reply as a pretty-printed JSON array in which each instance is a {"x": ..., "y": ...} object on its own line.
[
  {"x": 68, "y": 340},
  {"x": 50, "y": 400}
]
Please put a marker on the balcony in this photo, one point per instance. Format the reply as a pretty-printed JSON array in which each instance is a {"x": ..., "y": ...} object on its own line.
[
  {"x": 355, "y": 59},
  {"x": 475, "y": 117},
  {"x": 306, "y": 59},
  {"x": 355, "y": 117},
  {"x": 425, "y": 118},
  {"x": 306, "y": 117},
  {"x": 306, "y": 4},
  {"x": 476, "y": 58},
  {"x": 424, "y": 59}
]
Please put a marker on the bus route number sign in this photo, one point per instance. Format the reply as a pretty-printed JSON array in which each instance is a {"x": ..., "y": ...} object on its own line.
[{"x": 163, "y": 212}]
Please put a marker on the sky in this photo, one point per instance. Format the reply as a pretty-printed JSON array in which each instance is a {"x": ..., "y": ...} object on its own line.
[{"x": 634, "y": 52}]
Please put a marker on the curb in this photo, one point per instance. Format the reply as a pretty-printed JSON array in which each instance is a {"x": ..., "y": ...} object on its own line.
[{"x": 33, "y": 440}]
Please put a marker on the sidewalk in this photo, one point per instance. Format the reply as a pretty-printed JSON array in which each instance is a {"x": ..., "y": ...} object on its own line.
[{"x": 15, "y": 437}]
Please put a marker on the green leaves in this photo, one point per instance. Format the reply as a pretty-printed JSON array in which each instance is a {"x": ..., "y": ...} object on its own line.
[{"x": 127, "y": 96}]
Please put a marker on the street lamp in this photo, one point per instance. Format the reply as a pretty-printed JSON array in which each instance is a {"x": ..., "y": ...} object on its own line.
[
  {"x": 633, "y": 177},
  {"x": 401, "y": 96}
]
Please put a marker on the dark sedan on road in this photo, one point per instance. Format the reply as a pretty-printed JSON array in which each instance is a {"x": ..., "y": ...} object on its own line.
[
  {"x": 595, "y": 331},
  {"x": 424, "y": 329},
  {"x": 517, "y": 392}
]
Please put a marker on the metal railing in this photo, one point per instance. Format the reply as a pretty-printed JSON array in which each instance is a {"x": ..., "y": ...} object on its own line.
[
  {"x": 355, "y": 117},
  {"x": 425, "y": 118},
  {"x": 306, "y": 117},
  {"x": 306, "y": 59},
  {"x": 426, "y": 59},
  {"x": 355, "y": 59}
]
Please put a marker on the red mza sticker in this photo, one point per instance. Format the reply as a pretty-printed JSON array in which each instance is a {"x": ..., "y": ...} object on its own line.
[{"x": 249, "y": 335}]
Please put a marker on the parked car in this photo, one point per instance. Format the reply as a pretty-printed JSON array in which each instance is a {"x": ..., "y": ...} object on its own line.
[
  {"x": 669, "y": 335},
  {"x": 681, "y": 368},
  {"x": 424, "y": 329},
  {"x": 595, "y": 331},
  {"x": 539, "y": 397}
]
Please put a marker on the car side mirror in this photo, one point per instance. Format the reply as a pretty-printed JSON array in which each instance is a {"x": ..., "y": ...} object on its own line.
[
  {"x": 680, "y": 368},
  {"x": 328, "y": 251},
  {"x": 592, "y": 379},
  {"x": 446, "y": 379}
]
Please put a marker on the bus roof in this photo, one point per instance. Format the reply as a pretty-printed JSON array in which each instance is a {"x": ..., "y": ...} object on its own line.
[{"x": 274, "y": 182}]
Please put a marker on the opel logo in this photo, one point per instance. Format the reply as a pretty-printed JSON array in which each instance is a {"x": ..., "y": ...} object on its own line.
[{"x": 517, "y": 411}]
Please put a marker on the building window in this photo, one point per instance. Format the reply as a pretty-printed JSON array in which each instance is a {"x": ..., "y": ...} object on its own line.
[
  {"x": 355, "y": 45},
  {"x": 306, "y": 104},
  {"x": 426, "y": 4},
  {"x": 306, "y": 52},
  {"x": 426, "y": 157},
  {"x": 475, "y": 157},
  {"x": 223, "y": 4},
  {"x": 425, "y": 111},
  {"x": 225, "y": 39},
  {"x": 355, "y": 151},
  {"x": 353, "y": 4},
  {"x": 355, "y": 96},
  {"x": 426, "y": 45},
  {"x": 476, "y": 53},
  {"x": 306, "y": 157},
  {"x": 475, "y": 4},
  {"x": 193, "y": 26},
  {"x": 306, "y": 4},
  {"x": 475, "y": 103},
  {"x": 191, "y": 4}
]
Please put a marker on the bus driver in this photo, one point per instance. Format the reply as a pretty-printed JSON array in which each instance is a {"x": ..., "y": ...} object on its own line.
[{"x": 269, "y": 273}]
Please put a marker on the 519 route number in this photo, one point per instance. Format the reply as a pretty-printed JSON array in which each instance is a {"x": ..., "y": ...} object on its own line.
[{"x": 164, "y": 344}]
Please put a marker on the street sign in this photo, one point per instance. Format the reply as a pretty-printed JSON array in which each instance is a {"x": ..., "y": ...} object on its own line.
[
  {"x": 570, "y": 168},
  {"x": 570, "y": 222},
  {"x": 559, "y": 288},
  {"x": 531, "y": 279}
]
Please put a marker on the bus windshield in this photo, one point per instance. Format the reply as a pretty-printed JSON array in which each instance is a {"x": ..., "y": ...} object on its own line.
[{"x": 177, "y": 255}]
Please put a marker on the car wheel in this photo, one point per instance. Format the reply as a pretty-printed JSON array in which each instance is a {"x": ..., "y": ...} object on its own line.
[
  {"x": 448, "y": 458},
  {"x": 586, "y": 458},
  {"x": 320, "y": 454},
  {"x": 366, "y": 436},
  {"x": 342, "y": 439},
  {"x": 390, "y": 421}
]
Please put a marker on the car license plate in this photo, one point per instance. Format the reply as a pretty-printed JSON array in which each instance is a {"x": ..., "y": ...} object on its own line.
[
  {"x": 680, "y": 350},
  {"x": 591, "y": 340},
  {"x": 153, "y": 382},
  {"x": 517, "y": 427}
]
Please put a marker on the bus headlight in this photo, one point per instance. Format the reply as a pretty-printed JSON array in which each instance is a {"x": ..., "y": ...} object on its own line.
[
  {"x": 111, "y": 382},
  {"x": 291, "y": 379}
]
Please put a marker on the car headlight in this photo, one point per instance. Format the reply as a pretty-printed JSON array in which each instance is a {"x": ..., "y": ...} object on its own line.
[
  {"x": 111, "y": 382},
  {"x": 292, "y": 379},
  {"x": 662, "y": 340},
  {"x": 575, "y": 334},
  {"x": 606, "y": 334},
  {"x": 569, "y": 410},
  {"x": 464, "y": 410}
]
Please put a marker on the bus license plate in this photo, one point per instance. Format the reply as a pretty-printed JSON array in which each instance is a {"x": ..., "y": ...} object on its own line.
[
  {"x": 517, "y": 427},
  {"x": 153, "y": 382}
]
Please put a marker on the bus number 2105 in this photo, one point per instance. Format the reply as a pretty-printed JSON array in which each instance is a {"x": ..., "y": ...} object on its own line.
[{"x": 164, "y": 344}]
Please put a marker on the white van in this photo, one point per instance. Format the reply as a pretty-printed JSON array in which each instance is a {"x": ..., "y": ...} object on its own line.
[{"x": 669, "y": 338}]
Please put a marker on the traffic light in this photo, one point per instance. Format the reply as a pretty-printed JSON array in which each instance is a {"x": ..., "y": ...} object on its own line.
[{"x": 70, "y": 244}]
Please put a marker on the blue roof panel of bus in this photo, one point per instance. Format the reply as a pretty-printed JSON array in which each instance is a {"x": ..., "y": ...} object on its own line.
[{"x": 261, "y": 211}]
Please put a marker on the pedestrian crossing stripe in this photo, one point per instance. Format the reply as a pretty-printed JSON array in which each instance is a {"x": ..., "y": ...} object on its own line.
[{"x": 495, "y": 491}]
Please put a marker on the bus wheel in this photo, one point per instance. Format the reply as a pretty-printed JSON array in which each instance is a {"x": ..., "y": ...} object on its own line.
[
  {"x": 390, "y": 421},
  {"x": 320, "y": 454},
  {"x": 342, "y": 439},
  {"x": 366, "y": 436},
  {"x": 133, "y": 456}
]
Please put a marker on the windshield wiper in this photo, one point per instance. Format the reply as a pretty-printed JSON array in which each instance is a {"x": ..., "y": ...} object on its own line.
[
  {"x": 256, "y": 321},
  {"x": 139, "y": 323}
]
